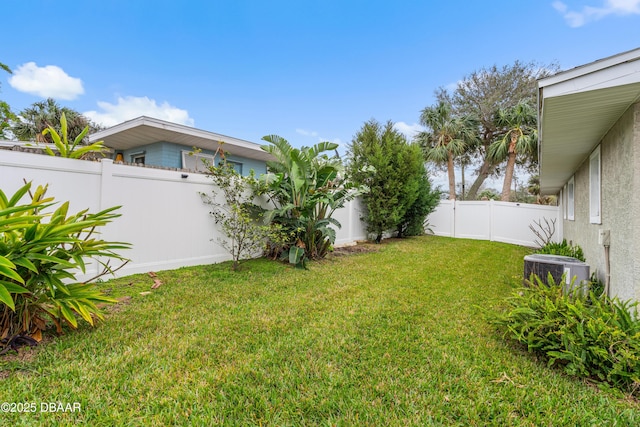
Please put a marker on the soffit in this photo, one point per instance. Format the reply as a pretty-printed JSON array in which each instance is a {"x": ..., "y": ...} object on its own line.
[
  {"x": 577, "y": 109},
  {"x": 144, "y": 131}
]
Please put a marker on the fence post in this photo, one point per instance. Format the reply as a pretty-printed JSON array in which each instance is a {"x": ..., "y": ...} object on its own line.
[
  {"x": 453, "y": 218},
  {"x": 491, "y": 220},
  {"x": 106, "y": 183}
]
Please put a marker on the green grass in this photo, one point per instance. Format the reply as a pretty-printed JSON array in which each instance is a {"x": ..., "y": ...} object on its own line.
[{"x": 396, "y": 337}]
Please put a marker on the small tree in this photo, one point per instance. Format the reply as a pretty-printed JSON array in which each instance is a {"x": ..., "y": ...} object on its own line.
[
  {"x": 393, "y": 170},
  {"x": 237, "y": 216}
]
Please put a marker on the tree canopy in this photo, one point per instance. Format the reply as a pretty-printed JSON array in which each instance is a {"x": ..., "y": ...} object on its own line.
[
  {"x": 48, "y": 113},
  {"x": 485, "y": 92},
  {"x": 447, "y": 137},
  {"x": 6, "y": 115}
]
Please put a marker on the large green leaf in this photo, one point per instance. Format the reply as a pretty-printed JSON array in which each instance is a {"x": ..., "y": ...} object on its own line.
[
  {"x": 14, "y": 288},
  {"x": 5, "y": 297},
  {"x": 8, "y": 269}
]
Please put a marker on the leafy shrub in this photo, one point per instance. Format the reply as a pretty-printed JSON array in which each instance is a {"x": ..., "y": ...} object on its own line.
[
  {"x": 414, "y": 221},
  {"x": 562, "y": 248},
  {"x": 40, "y": 253},
  {"x": 585, "y": 335},
  {"x": 237, "y": 216}
]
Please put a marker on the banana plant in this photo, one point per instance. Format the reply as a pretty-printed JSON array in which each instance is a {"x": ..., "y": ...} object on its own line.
[{"x": 305, "y": 186}]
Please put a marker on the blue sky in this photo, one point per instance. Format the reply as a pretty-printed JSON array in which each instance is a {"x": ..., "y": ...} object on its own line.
[{"x": 305, "y": 70}]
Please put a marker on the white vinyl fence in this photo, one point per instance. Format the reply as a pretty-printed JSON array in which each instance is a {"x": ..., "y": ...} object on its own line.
[
  {"x": 169, "y": 226},
  {"x": 163, "y": 215},
  {"x": 491, "y": 220}
]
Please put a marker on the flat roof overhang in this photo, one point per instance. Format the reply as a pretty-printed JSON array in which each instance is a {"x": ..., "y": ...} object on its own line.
[
  {"x": 577, "y": 108},
  {"x": 147, "y": 130}
]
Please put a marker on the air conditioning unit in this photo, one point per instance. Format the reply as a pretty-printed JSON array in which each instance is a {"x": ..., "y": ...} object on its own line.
[{"x": 575, "y": 271}]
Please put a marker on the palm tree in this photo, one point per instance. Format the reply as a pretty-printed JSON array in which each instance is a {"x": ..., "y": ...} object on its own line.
[
  {"x": 448, "y": 137},
  {"x": 44, "y": 114},
  {"x": 519, "y": 139}
]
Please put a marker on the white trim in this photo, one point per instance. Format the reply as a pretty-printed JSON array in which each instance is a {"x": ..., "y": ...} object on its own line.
[
  {"x": 198, "y": 160},
  {"x": 593, "y": 67},
  {"x": 173, "y": 127},
  {"x": 571, "y": 199},
  {"x": 595, "y": 180}
]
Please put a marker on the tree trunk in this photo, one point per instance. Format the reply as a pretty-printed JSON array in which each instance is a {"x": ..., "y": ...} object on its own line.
[
  {"x": 508, "y": 172},
  {"x": 483, "y": 174},
  {"x": 452, "y": 177},
  {"x": 508, "y": 178}
]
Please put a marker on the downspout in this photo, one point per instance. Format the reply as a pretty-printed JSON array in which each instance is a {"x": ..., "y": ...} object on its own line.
[{"x": 540, "y": 134}]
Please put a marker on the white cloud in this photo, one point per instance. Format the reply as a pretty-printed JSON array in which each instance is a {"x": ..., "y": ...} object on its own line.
[
  {"x": 409, "y": 130},
  {"x": 130, "y": 107},
  {"x": 306, "y": 132},
  {"x": 589, "y": 13},
  {"x": 49, "y": 81}
]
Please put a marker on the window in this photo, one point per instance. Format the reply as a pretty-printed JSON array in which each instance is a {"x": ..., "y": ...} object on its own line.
[
  {"x": 197, "y": 161},
  {"x": 138, "y": 158},
  {"x": 570, "y": 199},
  {"x": 563, "y": 201},
  {"x": 595, "y": 216}
]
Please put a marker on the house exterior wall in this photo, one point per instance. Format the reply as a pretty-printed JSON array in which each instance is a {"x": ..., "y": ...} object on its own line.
[
  {"x": 620, "y": 205},
  {"x": 168, "y": 154}
]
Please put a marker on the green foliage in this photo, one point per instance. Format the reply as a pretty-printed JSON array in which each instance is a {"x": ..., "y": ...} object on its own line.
[
  {"x": 40, "y": 253},
  {"x": 72, "y": 150},
  {"x": 596, "y": 285},
  {"x": 563, "y": 248},
  {"x": 238, "y": 218},
  {"x": 483, "y": 93},
  {"x": 44, "y": 114},
  {"x": 488, "y": 194},
  {"x": 448, "y": 137},
  {"x": 305, "y": 186},
  {"x": 589, "y": 336},
  {"x": 519, "y": 139},
  {"x": 6, "y": 115},
  {"x": 413, "y": 222},
  {"x": 399, "y": 195}
]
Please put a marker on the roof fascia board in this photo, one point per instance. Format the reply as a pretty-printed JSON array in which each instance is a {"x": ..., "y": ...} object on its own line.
[
  {"x": 612, "y": 61},
  {"x": 620, "y": 75},
  {"x": 172, "y": 127}
]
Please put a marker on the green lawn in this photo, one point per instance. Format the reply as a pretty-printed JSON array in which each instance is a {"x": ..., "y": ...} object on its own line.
[{"x": 394, "y": 337}]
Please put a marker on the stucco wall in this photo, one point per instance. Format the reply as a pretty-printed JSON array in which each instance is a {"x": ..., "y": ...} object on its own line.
[{"x": 620, "y": 189}]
